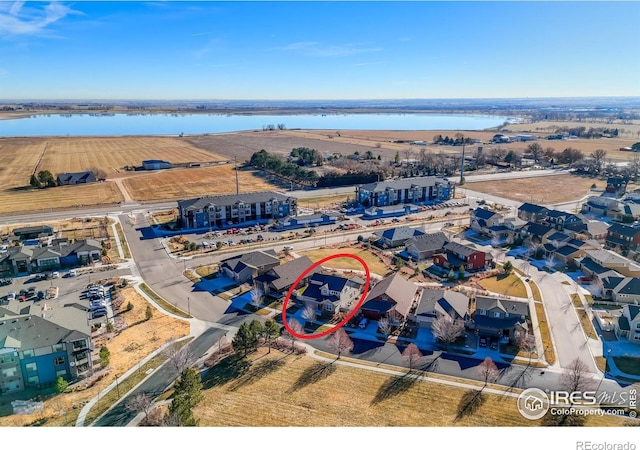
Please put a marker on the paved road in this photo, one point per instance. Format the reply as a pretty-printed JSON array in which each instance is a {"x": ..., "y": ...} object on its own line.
[{"x": 156, "y": 383}]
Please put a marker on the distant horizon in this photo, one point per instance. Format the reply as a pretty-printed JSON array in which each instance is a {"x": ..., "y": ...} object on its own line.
[{"x": 317, "y": 50}]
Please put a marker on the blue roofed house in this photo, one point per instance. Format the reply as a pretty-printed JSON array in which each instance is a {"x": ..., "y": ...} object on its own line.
[
  {"x": 331, "y": 294},
  {"x": 65, "y": 179},
  {"x": 532, "y": 213},
  {"x": 482, "y": 219}
]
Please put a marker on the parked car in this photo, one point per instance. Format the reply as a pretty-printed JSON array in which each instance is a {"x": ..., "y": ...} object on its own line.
[
  {"x": 32, "y": 291},
  {"x": 72, "y": 273},
  {"x": 40, "y": 295},
  {"x": 41, "y": 276},
  {"x": 483, "y": 342},
  {"x": 11, "y": 295},
  {"x": 98, "y": 313},
  {"x": 6, "y": 281},
  {"x": 494, "y": 344},
  {"x": 260, "y": 237},
  {"x": 55, "y": 275}
]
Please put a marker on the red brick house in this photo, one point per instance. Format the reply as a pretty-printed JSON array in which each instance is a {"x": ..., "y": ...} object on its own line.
[{"x": 456, "y": 255}]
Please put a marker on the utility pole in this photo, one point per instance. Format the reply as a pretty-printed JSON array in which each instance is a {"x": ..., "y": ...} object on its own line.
[
  {"x": 235, "y": 165},
  {"x": 462, "y": 163}
]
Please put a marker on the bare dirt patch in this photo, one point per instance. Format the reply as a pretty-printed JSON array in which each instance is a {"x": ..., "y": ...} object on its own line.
[
  {"x": 542, "y": 190},
  {"x": 185, "y": 183}
]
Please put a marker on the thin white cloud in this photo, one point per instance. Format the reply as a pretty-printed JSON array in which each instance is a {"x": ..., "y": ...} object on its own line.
[
  {"x": 209, "y": 47},
  {"x": 317, "y": 50},
  {"x": 31, "y": 20},
  {"x": 372, "y": 63}
]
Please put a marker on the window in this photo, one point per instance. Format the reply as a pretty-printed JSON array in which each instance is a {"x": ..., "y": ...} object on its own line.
[
  {"x": 59, "y": 361},
  {"x": 31, "y": 367},
  {"x": 328, "y": 307},
  {"x": 496, "y": 314},
  {"x": 27, "y": 354},
  {"x": 10, "y": 372},
  {"x": 61, "y": 373},
  {"x": 33, "y": 380},
  {"x": 57, "y": 347}
]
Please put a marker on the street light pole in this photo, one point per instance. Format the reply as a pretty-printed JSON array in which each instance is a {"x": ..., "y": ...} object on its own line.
[
  {"x": 188, "y": 306},
  {"x": 117, "y": 387}
]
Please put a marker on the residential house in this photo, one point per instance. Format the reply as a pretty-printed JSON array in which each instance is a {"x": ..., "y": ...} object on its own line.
[
  {"x": 624, "y": 237},
  {"x": 395, "y": 237},
  {"x": 503, "y": 318},
  {"x": 591, "y": 229},
  {"x": 249, "y": 266},
  {"x": 424, "y": 246},
  {"x": 622, "y": 289},
  {"x": 391, "y": 298},
  {"x": 416, "y": 190},
  {"x": 628, "y": 324},
  {"x": 33, "y": 232},
  {"x": 537, "y": 232},
  {"x": 612, "y": 260},
  {"x": 277, "y": 281},
  {"x": 220, "y": 211},
  {"x": 482, "y": 219},
  {"x": 600, "y": 205},
  {"x": 456, "y": 255},
  {"x": 532, "y": 213},
  {"x": 437, "y": 302},
  {"x": 39, "y": 345},
  {"x": 560, "y": 219},
  {"x": 71, "y": 178},
  {"x": 331, "y": 294},
  {"x": 617, "y": 186}
]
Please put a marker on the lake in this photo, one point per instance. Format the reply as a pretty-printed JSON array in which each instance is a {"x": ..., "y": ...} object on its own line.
[{"x": 174, "y": 124}]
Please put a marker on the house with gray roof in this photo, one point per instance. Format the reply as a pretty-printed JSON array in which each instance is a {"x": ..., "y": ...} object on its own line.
[
  {"x": 249, "y": 266},
  {"x": 437, "y": 302},
  {"x": 456, "y": 254},
  {"x": 628, "y": 324},
  {"x": 416, "y": 190},
  {"x": 481, "y": 219},
  {"x": 221, "y": 211},
  {"x": 392, "y": 297},
  {"x": 71, "y": 178},
  {"x": 500, "y": 317},
  {"x": 531, "y": 212},
  {"x": 28, "y": 259},
  {"x": 395, "y": 237},
  {"x": 278, "y": 280},
  {"x": 37, "y": 345},
  {"x": 426, "y": 245}
]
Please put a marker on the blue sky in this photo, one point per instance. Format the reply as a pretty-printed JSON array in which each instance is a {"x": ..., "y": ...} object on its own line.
[{"x": 318, "y": 50}]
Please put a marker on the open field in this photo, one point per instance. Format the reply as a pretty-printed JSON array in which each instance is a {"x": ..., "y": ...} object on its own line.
[
  {"x": 185, "y": 183},
  {"x": 556, "y": 189},
  {"x": 289, "y": 390},
  {"x": 139, "y": 338},
  {"x": 375, "y": 265},
  {"x": 509, "y": 285}
]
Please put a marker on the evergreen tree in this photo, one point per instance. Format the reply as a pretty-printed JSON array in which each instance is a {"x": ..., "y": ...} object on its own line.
[
  {"x": 187, "y": 395},
  {"x": 245, "y": 340},
  {"x": 61, "y": 385},
  {"x": 271, "y": 331}
]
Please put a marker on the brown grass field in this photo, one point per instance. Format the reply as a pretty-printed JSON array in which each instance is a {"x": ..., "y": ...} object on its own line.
[
  {"x": 546, "y": 190},
  {"x": 185, "y": 183},
  {"x": 127, "y": 348},
  {"x": 286, "y": 390}
]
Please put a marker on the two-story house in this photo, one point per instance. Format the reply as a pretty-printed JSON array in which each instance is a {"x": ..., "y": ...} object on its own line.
[
  {"x": 481, "y": 220},
  {"x": 502, "y": 318},
  {"x": 277, "y": 281},
  {"x": 391, "y": 298},
  {"x": 437, "y": 302},
  {"x": 532, "y": 213},
  {"x": 623, "y": 237},
  {"x": 456, "y": 255},
  {"x": 331, "y": 294},
  {"x": 249, "y": 266},
  {"x": 628, "y": 324},
  {"x": 425, "y": 246}
]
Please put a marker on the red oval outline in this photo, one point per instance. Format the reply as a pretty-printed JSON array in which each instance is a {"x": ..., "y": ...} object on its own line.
[{"x": 349, "y": 316}]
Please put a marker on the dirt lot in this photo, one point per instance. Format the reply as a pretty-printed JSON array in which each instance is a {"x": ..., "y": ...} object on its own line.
[
  {"x": 185, "y": 183},
  {"x": 556, "y": 189},
  {"x": 135, "y": 340}
]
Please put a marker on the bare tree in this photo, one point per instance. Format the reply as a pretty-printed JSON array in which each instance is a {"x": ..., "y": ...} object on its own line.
[
  {"x": 535, "y": 150},
  {"x": 576, "y": 378},
  {"x": 256, "y": 296},
  {"x": 598, "y": 158},
  {"x": 178, "y": 357},
  {"x": 339, "y": 342},
  {"x": 297, "y": 328},
  {"x": 385, "y": 326},
  {"x": 141, "y": 402},
  {"x": 309, "y": 312},
  {"x": 447, "y": 330},
  {"x": 527, "y": 344},
  {"x": 412, "y": 356},
  {"x": 488, "y": 371}
]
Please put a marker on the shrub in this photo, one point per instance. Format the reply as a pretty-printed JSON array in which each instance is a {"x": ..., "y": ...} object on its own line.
[{"x": 129, "y": 306}]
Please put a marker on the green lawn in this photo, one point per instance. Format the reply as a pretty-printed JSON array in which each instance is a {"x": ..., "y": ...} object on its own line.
[
  {"x": 509, "y": 285},
  {"x": 375, "y": 265}
]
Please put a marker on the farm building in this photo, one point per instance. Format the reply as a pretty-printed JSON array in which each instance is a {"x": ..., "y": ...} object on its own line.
[
  {"x": 156, "y": 164},
  {"x": 71, "y": 178}
]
